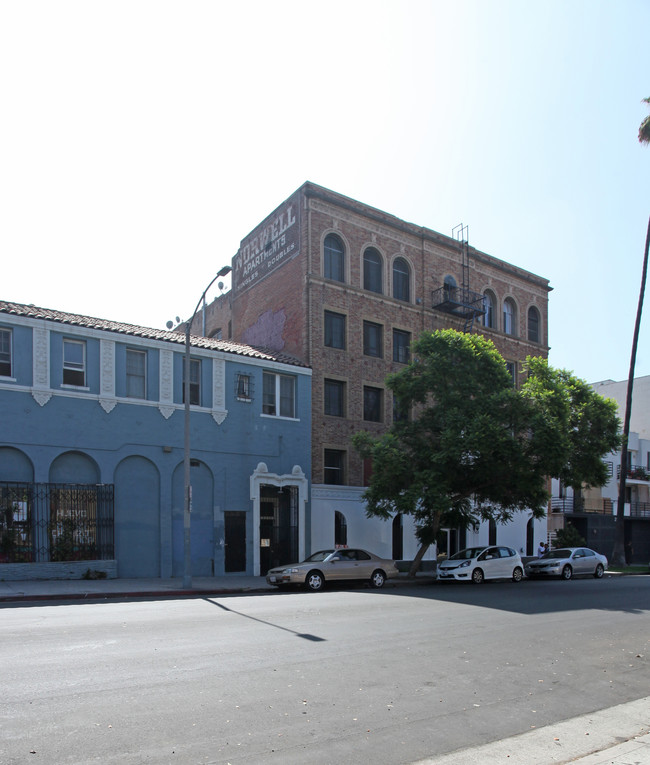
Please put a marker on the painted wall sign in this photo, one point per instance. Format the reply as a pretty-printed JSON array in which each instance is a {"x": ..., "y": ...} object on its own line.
[{"x": 267, "y": 247}]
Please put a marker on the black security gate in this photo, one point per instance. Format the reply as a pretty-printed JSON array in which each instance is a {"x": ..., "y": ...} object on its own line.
[{"x": 42, "y": 522}]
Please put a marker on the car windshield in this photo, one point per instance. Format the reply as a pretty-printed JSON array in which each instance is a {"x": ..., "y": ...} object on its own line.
[
  {"x": 470, "y": 552},
  {"x": 558, "y": 554},
  {"x": 319, "y": 556}
]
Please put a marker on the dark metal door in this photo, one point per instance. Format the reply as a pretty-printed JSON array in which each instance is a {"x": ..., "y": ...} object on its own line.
[{"x": 235, "y": 541}]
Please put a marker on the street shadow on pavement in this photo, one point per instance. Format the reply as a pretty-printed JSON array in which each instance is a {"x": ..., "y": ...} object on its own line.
[
  {"x": 629, "y": 594},
  {"x": 304, "y": 635}
]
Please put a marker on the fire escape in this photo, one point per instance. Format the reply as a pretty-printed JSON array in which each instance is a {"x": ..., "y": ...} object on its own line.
[{"x": 460, "y": 302}]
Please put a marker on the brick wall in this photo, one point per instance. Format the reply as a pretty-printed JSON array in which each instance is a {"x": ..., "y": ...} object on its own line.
[{"x": 287, "y": 308}]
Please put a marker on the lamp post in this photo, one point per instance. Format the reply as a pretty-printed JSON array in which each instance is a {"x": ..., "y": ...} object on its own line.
[{"x": 187, "y": 508}]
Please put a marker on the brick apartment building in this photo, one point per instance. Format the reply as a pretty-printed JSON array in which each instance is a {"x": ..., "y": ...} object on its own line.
[{"x": 345, "y": 288}]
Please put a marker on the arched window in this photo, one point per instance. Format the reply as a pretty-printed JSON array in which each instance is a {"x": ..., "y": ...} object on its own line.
[
  {"x": 450, "y": 288},
  {"x": 489, "y": 304},
  {"x": 401, "y": 280},
  {"x": 340, "y": 529},
  {"x": 334, "y": 258},
  {"x": 533, "y": 325},
  {"x": 509, "y": 316},
  {"x": 372, "y": 276}
]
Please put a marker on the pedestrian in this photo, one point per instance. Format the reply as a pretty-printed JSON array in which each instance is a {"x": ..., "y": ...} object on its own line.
[{"x": 541, "y": 550}]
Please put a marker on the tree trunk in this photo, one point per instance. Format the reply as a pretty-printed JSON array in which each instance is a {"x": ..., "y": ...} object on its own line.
[
  {"x": 415, "y": 566},
  {"x": 618, "y": 553}
]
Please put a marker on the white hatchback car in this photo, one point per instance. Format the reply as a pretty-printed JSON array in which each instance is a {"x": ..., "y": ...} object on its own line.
[{"x": 478, "y": 563}]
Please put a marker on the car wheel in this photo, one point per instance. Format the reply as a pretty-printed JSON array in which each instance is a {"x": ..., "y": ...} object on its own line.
[
  {"x": 567, "y": 572},
  {"x": 315, "y": 581},
  {"x": 517, "y": 574},
  {"x": 477, "y": 576},
  {"x": 377, "y": 579},
  {"x": 600, "y": 570}
]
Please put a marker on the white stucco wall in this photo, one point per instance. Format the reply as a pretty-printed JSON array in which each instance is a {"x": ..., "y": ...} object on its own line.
[{"x": 376, "y": 535}]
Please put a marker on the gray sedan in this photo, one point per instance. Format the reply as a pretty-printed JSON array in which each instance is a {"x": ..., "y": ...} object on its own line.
[
  {"x": 344, "y": 564},
  {"x": 567, "y": 562}
]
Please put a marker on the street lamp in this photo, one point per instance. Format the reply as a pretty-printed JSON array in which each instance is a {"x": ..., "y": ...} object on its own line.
[{"x": 187, "y": 545}]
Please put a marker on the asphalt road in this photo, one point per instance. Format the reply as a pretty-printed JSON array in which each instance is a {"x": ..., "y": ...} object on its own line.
[{"x": 357, "y": 676}]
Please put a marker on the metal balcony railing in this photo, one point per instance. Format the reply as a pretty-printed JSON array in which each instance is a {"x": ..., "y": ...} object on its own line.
[
  {"x": 458, "y": 301},
  {"x": 635, "y": 472},
  {"x": 601, "y": 506}
]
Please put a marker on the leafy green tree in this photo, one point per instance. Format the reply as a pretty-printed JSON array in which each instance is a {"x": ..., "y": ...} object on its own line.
[
  {"x": 569, "y": 536},
  {"x": 587, "y": 424},
  {"x": 474, "y": 447}
]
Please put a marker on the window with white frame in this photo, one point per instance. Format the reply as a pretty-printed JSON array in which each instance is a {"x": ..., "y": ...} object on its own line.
[
  {"x": 195, "y": 382},
  {"x": 136, "y": 373},
  {"x": 5, "y": 353},
  {"x": 74, "y": 363},
  {"x": 279, "y": 395}
]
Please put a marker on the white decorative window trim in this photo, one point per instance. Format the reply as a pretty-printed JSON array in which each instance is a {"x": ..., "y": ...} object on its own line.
[
  {"x": 41, "y": 366},
  {"x": 107, "y": 404},
  {"x": 107, "y": 350},
  {"x": 107, "y": 398},
  {"x": 166, "y": 392},
  {"x": 41, "y": 397},
  {"x": 219, "y": 411}
]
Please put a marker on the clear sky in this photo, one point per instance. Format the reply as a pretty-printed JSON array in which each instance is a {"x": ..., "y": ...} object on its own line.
[{"x": 141, "y": 141}]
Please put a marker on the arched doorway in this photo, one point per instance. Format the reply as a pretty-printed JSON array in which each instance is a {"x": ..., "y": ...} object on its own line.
[
  {"x": 398, "y": 538},
  {"x": 340, "y": 530}
]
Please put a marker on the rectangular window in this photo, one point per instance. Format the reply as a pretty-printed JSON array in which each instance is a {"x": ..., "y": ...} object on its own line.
[
  {"x": 512, "y": 371},
  {"x": 74, "y": 363},
  {"x": 335, "y": 398},
  {"x": 372, "y": 404},
  {"x": 334, "y": 467},
  {"x": 5, "y": 353},
  {"x": 401, "y": 346},
  {"x": 136, "y": 374},
  {"x": 243, "y": 387},
  {"x": 279, "y": 395},
  {"x": 334, "y": 330},
  {"x": 195, "y": 382},
  {"x": 373, "y": 339}
]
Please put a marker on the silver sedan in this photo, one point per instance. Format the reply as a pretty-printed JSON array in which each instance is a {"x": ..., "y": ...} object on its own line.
[
  {"x": 344, "y": 564},
  {"x": 566, "y": 562}
]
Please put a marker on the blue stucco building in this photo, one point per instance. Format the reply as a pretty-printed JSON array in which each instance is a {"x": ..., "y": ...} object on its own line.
[{"x": 91, "y": 450}]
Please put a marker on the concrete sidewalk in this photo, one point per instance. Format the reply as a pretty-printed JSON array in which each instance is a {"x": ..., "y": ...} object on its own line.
[
  {"x": 616, "y": 736},
  {"x": 91, "y": 589}
]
